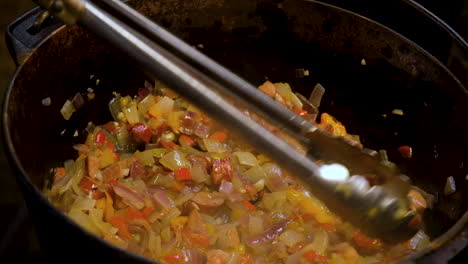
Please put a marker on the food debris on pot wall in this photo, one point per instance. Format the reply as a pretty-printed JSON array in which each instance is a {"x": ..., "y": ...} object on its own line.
[{"x": 449, "y": 186}]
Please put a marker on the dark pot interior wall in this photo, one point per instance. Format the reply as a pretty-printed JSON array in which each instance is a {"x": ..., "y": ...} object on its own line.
[{"x": 21, "y": 246}]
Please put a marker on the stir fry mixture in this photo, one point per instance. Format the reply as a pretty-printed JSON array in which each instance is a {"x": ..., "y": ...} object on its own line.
[{"x": 164, "y": 181}]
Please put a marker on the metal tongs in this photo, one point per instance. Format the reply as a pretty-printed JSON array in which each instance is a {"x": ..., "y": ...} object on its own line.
[{"x": 381, "y": 210}]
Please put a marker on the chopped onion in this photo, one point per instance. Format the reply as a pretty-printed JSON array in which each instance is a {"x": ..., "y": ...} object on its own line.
[
  {"x": 321, "y": 242},
  {"x": 215, "y": 146},
  {"x": 419, "y": 241},
  {"x": 274, "y": 179},
  {"x": 172, "y": 214},
  {"x": 295, "y": 101},
  {"x": 183, "y": 197},
  {"x": 208, "y": 199},
  {"x": 174, "y": 160},
  {"x": 161, "y": 197},
  {"x": 158, "y": 152},
  {"x": 161, "y": 108},
  {"x": 226, "y": 187},
  {"x": 132, "y": 115},
  {"x": 284, "y": 90},
  {"x": 114, "y": 107},
  {"x": 67, "y": 110},
  {"x": 145, "y": 104},
  {"x": 274, "y": 201},
  {"x": 129, "y": 195},
  {"x": 154, "y": 244},
  {"x": 227, "y": 237},
  {"x": 96, "y": 216},
  {"x": 246, "y": 158},
  {"x": 316, "y": 95},
  {"x": 291, "y": 237},
  {"x": 259, "y": 185},
  {"x": 84, "y": 221},
  {"x": 46, "y": 101},
  {"x": 255, "y": 174},
  {"x": 199, "y": 173},
  {"x": 255, "y": 225},
  {"x": 83, "y": 203},
  {"x": 145, "y": 157}
]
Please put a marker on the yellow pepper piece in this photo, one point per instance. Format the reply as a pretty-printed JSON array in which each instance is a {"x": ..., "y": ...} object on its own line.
[
  {"x": 109, "y": 210},
  {"x": 210, "y": 229},
  {"x": 178, "y": 222},
  {"x": 237, "y": 214},
  {"x": 294, "y": 196},
  {"x": 338, "y": 128},
  {"x": 106, "y": 158},
  {"x": 240, "y": 249},
  {"x": 310, "y": 205},
  {"x": 316, "y": 208},
  {"x": 101, "y": 204}
]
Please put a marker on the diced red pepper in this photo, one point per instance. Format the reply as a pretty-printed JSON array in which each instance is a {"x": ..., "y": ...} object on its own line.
[
  {"x": 120, "y": 224},
  {"x": 173, "y": 259},
  {"x": 169, "y": 144},
  {"x": 185, "y": 140},
  {"x": 314, "y": 257},
  {"x": 131, "y": 214},
  {"x": 142, "y": 132},
  {"x": 330, "y": 227},
  {"x": 300, "y": 112},
  {"x": 113, "y": 181},
  {"x": 219, "y": 136},
  {"x": 406, "y": 151},
  {"x": 147, "y": 211},
  {"x": 183, "y": 174},
  {"x": 250, "y": 205},
  {"x": 100, "y": 137},
  {"x": 366, "y": 242}
]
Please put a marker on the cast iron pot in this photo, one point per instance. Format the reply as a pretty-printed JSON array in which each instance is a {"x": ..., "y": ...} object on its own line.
[{"x": 256, "y": 39}]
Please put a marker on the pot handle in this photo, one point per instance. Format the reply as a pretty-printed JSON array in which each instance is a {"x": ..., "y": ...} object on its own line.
[{"x": 25, "y": 34}]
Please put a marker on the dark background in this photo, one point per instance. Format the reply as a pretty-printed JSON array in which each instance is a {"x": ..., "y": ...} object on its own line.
[{"x": 18, "y": 243}]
